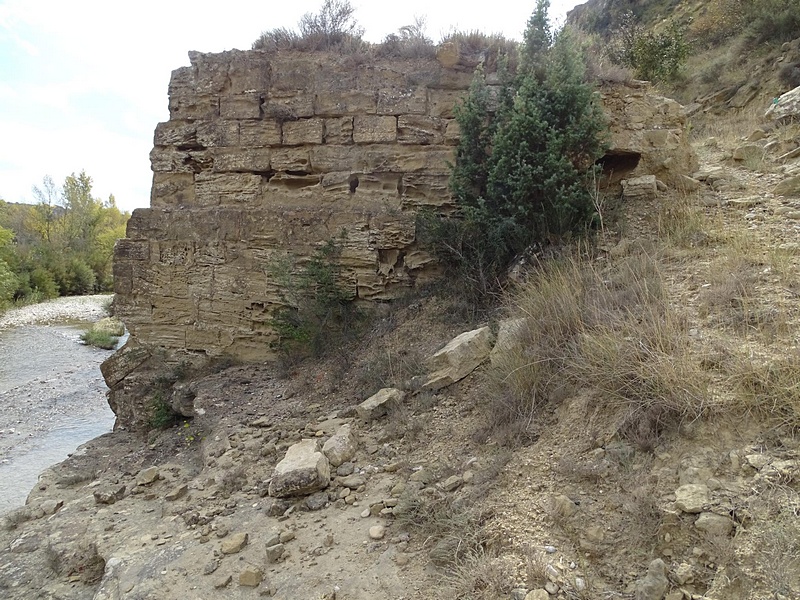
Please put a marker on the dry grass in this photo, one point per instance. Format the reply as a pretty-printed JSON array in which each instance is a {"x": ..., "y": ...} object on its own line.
[
  {"x": 479, "y": 575},
  {"x": 681, "y": 223},
  {"x": 768, "y": 389},
  {"x": 610, "y": 329}
]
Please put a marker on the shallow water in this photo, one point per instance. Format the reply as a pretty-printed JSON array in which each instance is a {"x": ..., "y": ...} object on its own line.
[{"x": 52, "y": 399}]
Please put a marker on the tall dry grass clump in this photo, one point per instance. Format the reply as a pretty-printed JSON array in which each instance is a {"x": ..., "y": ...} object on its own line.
[{"x": 609, "y": 329}]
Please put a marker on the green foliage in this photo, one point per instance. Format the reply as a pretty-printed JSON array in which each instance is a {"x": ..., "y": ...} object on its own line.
[
  {"x": 8, "y": 284},
  {"x": 161, "y": 414},
  {"x": 99, "y": 339},
  {"x": 653, "y": 56},
  {"x": 63, "y": 244},
  {"x": 520, "y": 177},
  {"x": 318, "y": 310}
]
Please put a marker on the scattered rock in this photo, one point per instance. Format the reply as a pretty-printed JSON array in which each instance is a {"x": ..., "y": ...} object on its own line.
[
  {"x": 654, "y": 585},
  {"x": 785, "y": 106},
  {"x": 639, "y": 188},
  {"x": 714, "y": 524},
  {"x": 692, "y": 497},
  {"x": 458, "y": 358},
  {"x": 788, "y": 187},
  {"x": 223, "y": 581},
  {"x": 452, "y": 483},
  {"x": 376, "y": 532},
  {"x": 748, "y": 152},
  {"x": 353, "y": 481},
  {"x": 275, "y": 552},
  {"x": 251, "y": 577},
  {"x": 341, "y": 447},
  {"x": 539, "y": 594},
  {"x": 303, "y": 470},
  {"x": 177, "y": 493},
  {"x": 684, "y": 573},
  {"x": 508, "y": 333},
  {"x": 234, "y": 543},
  {"x": 317, "y": 501},
  {"x": 211, "y": 566},
  {"x": 379, "y": 404},
  {"x": 147, "y": 476}
]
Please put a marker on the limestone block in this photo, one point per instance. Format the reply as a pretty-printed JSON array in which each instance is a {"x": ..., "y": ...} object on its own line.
[
  {"x": 257, "y": 134},
  {"x": 452, "y": 132},
  {"x": 240, "y": 106},
  {"x": 193, "y": 107},
  {"x": 341, "y": 446},
  {"x": 130, "y": 249},
  {"x": 291, "y": 159},
  {"x": 408, "y": 101},
  {"x": 639, "y": 188},
  {"x": 372, "y": 129},
  {"x": 442, "y": 103},
  {"x": 241, "y": 160},
  {"x": 176, "y": 133},
  {"x": 379, "y": 404},
  {"x": 458, "y": 358},
  {"x": 217, "y": 133},
  {"x": 286, "y": 106},
  {"x": 248, "y": 71},
  {"x": 172, "y": 189},
  {"x": 416, "y": 129},
  {"x": 213, "y": 189},
  {"x": 167, "y": 159},
  {"x": 339, "y": 130},
  {"x": 304, "y": 470},
  {"x": 303, "y": 131},
  {"x": 123, "y": 362},
  {"x": 347, "y": 102}
]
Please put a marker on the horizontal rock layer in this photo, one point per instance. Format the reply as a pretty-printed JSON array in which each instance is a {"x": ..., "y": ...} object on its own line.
[{"x": 266, "y": 157}]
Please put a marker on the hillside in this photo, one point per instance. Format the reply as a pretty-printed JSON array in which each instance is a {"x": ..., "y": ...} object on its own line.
[{"x": 627, "y": 428}]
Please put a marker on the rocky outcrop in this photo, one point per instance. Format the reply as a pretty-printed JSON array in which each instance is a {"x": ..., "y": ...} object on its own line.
[{"x": 266, "y": 157}]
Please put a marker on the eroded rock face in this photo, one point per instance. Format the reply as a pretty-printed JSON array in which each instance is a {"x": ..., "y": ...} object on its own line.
[{"x": 267, "y": 156}]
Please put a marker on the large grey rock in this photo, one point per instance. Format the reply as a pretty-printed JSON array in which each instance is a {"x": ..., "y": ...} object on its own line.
[
  {"x": 508, "y": 334},
  {"x": 379, "y": 403},
  {"x": 458, "y": 358},
  {"x": 340, "y": 447},
  {"x": 714, "y": 524},
  {"x": 304, "y": 470},
  {"x": 692, "y": 497},
  {"x": 654, "y": 585},
  {"x": 786, "y": 106},
  {"x": 788, "y": 187}
]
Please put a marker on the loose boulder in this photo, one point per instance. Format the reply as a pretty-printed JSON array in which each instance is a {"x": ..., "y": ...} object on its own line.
[
  {"x": 341, "y": 447},
  {"x": 785, "y": 106},
  {"x": 459, "y": 358},
  {"x": 379, "y": 404},
  {"x": 304, "y": 470}
]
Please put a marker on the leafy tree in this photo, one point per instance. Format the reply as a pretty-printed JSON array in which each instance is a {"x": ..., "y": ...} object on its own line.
[{"x": 653, "y": 56}]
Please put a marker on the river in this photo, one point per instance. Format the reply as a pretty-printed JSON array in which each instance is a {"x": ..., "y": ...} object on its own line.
[{"x": 52, "y": 399}]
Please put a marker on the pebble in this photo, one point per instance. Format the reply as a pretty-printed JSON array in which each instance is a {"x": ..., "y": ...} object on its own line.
[
  {"x": 234, "y": 543},
  {"x": 376, "y": 532}
]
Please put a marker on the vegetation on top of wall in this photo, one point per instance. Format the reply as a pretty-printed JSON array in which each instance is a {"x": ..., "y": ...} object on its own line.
[
  {"x": 62, "y": 245},
  {"x": 654, "y": 56}
]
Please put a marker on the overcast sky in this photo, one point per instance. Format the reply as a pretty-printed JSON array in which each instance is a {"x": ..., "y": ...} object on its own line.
[{"x": 83, "y": 83}]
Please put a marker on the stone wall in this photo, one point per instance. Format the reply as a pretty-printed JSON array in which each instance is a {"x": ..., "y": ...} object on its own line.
[{"x": 268, "y": 156}]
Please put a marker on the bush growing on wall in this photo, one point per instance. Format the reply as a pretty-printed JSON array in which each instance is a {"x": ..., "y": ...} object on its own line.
[
  {"x": 520, "y": 176},
  {"x": 653, "y": 56}
]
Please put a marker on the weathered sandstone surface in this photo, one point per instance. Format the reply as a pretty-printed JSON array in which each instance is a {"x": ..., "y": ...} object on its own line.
[{"x": 268, "y": 156}]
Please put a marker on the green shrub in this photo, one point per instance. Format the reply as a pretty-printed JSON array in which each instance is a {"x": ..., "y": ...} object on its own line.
[
  {"x": 8, "y": 284},
  {"x": 653, "y": 56},
  {"x": 520, "y": 177},
  {"x": 99, "y": 339},
  {"x": 79, "y": 279},
  {"x": 42, "y": 280},
  {"x": 161, "y": 414},
  {"x": 318, "y": 311}
]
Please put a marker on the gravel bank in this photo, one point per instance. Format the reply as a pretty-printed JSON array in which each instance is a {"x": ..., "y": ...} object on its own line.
[{"x": 69, "y": 308}]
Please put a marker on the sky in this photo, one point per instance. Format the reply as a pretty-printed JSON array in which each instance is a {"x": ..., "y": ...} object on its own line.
[{"x": 83, "y": 83}]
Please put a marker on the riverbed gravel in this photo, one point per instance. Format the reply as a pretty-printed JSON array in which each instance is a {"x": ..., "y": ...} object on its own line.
[{"x": 60, "y": 310}]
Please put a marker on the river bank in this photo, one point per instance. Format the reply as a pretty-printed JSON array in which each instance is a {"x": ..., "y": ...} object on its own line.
[{"x": 51, "y": 389}]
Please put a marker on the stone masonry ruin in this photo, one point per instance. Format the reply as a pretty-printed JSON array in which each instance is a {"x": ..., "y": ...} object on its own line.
[{"x": 270, "y": 155}]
